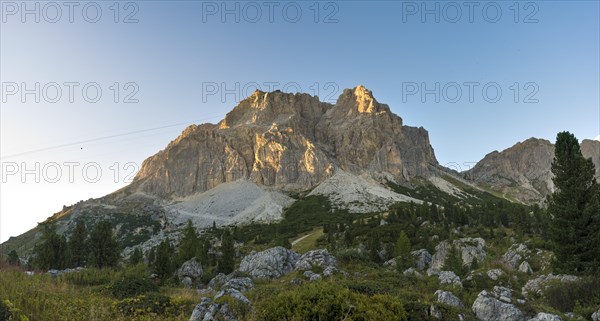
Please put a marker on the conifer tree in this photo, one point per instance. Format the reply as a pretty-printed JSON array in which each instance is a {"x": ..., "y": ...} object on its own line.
[
  {"x": 226, "y": 261},
  {"x": 188, "y": 246},
  {"x": 404, "y": 259},
  {"x": 574, "y": 208},
  {"x": 13, "y": 257},
  {"x": 103, "y": 246},
  {"x": 136, "y": 257},
  {"x": 164, "y": 265},
  {"x": 77, "y": 244},
  {"x": 51, "y": 251},
  {"x": 453, "y": 261}
]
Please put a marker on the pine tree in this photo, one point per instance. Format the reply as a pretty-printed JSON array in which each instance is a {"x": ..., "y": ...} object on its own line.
[
  {"x": 151, "y": 257},
  {"x": 164, "y": 265},
  {"x": 51, "y": 251},
  {"x": 77, "y": 244},
  {"x": 103, "y": 246},
  {"x": 13, "y": 257},
  {"x": 574, "y": 208},
  {"x": 404, "y": 259},
  {"x": 226, "y": 262},
  {"x": 188, "y": 246},
  {"x": 453, "y": 261},
  {"x": 202, "y": 253},
  {"x": 136, "y": 257}
]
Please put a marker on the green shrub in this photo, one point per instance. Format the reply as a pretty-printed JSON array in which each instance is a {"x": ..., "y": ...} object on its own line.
[
  {"x": 352, "y": 256},
  {"x": 133, "y": 282},
  {"x": 326, "y": 301},
  {"x": 8, "y": 312},
  {"x": 565, "y": 296},
  {"x": 145, "y": 304}
]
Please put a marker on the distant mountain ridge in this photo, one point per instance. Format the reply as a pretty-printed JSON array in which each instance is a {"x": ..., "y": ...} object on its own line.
[{"x": 522, "y": 172}]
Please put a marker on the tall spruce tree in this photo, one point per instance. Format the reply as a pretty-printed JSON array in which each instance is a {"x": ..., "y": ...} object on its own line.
[
  {"x": 51, "y": 252},
  {"x": 574, "y": 208},
  {"x": 226, "y": 262},
  {"x": 164, "y": 265},
  {"x": 77, "y": 244},
  {"x": 189, "y": 243},
  {"x": 103, "y": 246},
  {"x": 404, "y": 259}
]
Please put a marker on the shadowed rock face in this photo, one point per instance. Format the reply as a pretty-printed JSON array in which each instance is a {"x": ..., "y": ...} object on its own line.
[
  {"x": 522, "y": 172},
  {"x": 290, "y": 142}
]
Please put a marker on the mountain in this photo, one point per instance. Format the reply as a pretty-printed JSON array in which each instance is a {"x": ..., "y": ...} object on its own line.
[
  {"x": 291, "y": 143},
  {"x": 522, "y": 172},
  {"x": 276, "y": 150},
  {"x": 270, "y": 151}
]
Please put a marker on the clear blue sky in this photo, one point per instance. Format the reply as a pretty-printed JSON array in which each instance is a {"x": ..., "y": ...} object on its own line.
[{"x": 176, "y": 48}]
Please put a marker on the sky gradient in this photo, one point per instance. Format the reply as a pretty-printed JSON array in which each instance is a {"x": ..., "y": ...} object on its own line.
[{"x": 176, "y": 58}]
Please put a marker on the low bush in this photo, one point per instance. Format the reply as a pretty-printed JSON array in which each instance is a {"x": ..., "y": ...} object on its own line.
[
  {"x": 326, "y": 301},
  {"x": 145, "y": 304},
  {"x": 566, "y": 296},
  {"x": 133, "y": 282}
]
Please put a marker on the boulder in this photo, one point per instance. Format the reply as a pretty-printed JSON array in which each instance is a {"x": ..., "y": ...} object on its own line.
[
  {"x": 537, "y": 285},
  {"x": 448, "y": 298},
  {"x": 234, "y": 294},
  {"x": 488, "y": 308},
  {"x": 422, "y": 259},
  {"x": 190, "y": 272},
  {"x": 494, "y": 274},
  {"x": 329, "y": 271},
  {"x": 596, "y": 316},
  {"x": 218, "y": 281},
  {"x": 448, "y": 277},
  {"x": 271, "y": 263},
  {"x": 546, "y": 317},
  {"x": 412, "y": 271},
  {"x": 525, "y": 267},
  {"x": 470, "y": 249},
  {"x": 515, "y": 254},
  {"x": 240, "y": 284},
  {"x": 503, "y": 294},
  {"x": 207, "y": 310},
  {"x": 321, "y": 258}
]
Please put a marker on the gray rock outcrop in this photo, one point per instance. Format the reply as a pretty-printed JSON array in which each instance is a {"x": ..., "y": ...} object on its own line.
[
  {"x": 271, "y": 263},
  {"x": 469, "y": 248},
  {"x": 546, "y": 317},
  {"x": 422, "y": 259},
  {"x": 449, "y": 277},
  {"x": 447, "y": 298},
  {"x": 190, "y": 272},
  {"x": 315, "y": 258},
  {"x": 515, "y": 255},
  {"x": 537, "y": 285},
  {"x": 489, "y": 308}
]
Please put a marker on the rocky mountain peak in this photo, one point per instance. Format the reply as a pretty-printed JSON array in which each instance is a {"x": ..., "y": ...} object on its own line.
[
  {"x": 359, "y": 100},
  {"x": 290, "y": 142},
  {"x": 265, "y": 108},
  {"x": 522, "y": 171}
]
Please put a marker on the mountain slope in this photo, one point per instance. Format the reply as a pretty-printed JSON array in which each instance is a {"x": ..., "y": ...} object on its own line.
[{"x": 522, "y": 172}]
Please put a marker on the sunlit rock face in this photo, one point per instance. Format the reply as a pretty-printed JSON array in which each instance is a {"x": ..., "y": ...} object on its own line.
[{"x": 291, "y": 142}]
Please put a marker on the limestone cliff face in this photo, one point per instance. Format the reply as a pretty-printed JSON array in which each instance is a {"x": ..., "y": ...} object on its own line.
[
  {"x": 522, "y": 172},
  {"x": 289, "y": 142},
  {"x": 591, "y": 148}
]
